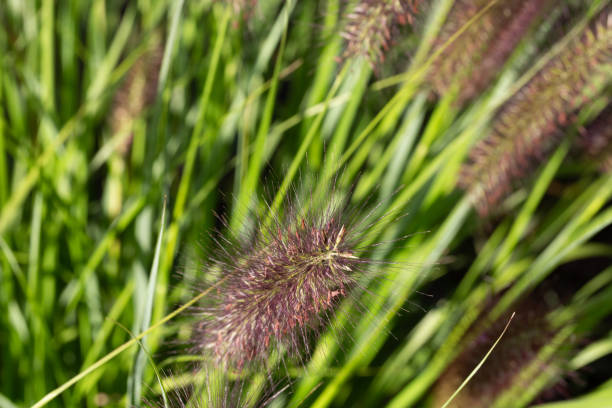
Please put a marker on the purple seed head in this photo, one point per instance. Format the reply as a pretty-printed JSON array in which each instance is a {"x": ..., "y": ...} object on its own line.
[
  {"x": 531, "y": 123},
  {"x": 372, "y": 24},
  {"x": 474, "y": 58},
  {"x": 280, "y": 287}
]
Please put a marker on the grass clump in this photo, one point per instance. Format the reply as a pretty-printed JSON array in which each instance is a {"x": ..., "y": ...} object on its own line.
[{"x": 108, "y": 107}]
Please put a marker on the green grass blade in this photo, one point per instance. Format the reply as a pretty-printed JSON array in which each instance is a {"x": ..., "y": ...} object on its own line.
[{"x": 136, "y": 377}]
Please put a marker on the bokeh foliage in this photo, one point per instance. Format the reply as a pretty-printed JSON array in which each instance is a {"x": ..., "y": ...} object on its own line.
[{"x": 111, "y": 108}]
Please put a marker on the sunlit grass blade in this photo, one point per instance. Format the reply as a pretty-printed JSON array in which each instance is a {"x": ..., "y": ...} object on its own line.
[{"x": 136, "y": 377}]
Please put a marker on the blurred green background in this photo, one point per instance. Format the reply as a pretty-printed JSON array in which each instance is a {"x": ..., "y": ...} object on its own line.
[{"x": 109, "y": 109}]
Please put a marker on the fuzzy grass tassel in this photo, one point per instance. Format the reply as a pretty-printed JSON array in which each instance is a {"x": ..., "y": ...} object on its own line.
[
  {"x": 530, "y": 124},
  {"x": 279, "y": 287},
  {"x": 474, "y": 58},
  {"x": 373, "y": 24}
]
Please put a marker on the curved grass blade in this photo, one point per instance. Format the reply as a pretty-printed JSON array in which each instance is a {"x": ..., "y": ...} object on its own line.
[{"x": 473, "y": 373}]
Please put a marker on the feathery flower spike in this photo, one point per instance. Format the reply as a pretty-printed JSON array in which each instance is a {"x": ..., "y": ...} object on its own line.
[
  {"x": 476, "y": 55},
  {"x": 280, "y": 286},
  {"x": 530, "y": 124},
  {"x": 372, "y": 25}
]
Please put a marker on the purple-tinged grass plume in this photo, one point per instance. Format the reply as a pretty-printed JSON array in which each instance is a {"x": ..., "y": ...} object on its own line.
[
  {"x": 527, "y": 334},
  {"x": 373, "y": 24},
  {"x": 531, "y": 123},
  {"x": 279, "y": 287},
  {"x": 596, "y": 140},
  {"x": 474, "y": 58}
]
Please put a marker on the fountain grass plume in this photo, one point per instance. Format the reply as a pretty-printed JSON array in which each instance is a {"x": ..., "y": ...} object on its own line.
[
  {"x": 279, "y": 286},
  {"x": 373, "y": 24},
  {"x": 475, "y": 57},
  {"x": 532, "y": 122}
]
